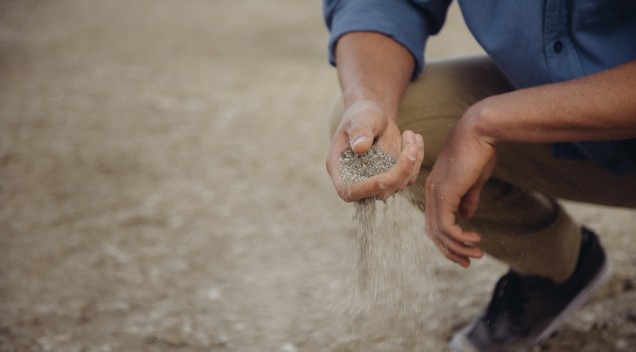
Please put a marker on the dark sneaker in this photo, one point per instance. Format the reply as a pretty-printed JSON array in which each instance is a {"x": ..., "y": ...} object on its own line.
[{"x": 526, "y": 309}]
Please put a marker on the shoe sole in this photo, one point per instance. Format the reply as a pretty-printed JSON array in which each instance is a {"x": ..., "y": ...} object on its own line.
[{"x": 460, "y": 343}]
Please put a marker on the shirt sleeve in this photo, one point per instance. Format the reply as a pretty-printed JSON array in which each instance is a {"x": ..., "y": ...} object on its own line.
[{"x": 409, "y": 22}]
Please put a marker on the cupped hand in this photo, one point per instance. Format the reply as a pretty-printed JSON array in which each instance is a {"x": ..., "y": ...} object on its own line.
[
  {"x": 453, "y": 187},
  {"x": 363, "y": 124}
]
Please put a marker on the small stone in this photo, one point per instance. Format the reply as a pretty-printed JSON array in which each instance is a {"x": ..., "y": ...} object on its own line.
[
  {"x": 214, "y": 294},
  {"x": 289, "y": 347}
]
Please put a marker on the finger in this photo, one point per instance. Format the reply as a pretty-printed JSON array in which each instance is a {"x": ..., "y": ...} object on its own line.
[
  {"x": 361, "y": 135},
  {"x": 457, "y": 252},
  {"x": 383, "y": 196},
  {"x": 462, "y": 249},
  {"x": 469, "y": 204},
  {"x": 338, "y": 146},
  {"x": 454, "y": 257},
  {"x": 470, "y": 201},
  {"x": 370, "y": 187},
  {"x": 446, "y": 226},
  {"x": 361, "y": 142},
  {"x": 381, "y": 186},
  {"x": 469, "y": 237},
  {"x": 398, "y": 176},
  {"x": 455, "y": 239},
  {"x": 409, "y": 139},
  {"x": 419, "y": 143},
  {"x": 452, "y": 241},
  {"x": 406, "y": 161},
  {"x": 463, "y": 261},
  {"x": 364, "y": 122}
]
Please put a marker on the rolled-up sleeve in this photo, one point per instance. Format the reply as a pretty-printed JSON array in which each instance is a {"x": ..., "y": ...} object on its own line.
[{"x": 409, "y": 22}]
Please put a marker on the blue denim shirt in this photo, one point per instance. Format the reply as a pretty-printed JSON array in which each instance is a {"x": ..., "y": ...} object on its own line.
[{"x": 533, "y": 42}]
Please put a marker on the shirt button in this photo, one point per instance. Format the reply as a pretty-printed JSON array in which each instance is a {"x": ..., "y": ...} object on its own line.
[{"x": 558, "y": 46}]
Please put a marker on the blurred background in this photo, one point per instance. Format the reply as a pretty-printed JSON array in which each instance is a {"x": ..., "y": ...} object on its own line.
[{"x": 162, "y": 187}]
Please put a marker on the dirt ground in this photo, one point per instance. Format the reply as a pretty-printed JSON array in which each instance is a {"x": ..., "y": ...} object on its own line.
[{"x": 162, "y": 188}]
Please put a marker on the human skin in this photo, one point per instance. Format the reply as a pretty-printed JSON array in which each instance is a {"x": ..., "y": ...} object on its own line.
[{"x": 374, "y": 72}]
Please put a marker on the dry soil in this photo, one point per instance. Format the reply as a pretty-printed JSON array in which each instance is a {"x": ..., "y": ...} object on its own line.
[{"x": 162, "y": 188}]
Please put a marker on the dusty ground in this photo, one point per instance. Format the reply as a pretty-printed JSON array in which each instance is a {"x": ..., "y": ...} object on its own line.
[{"x": 162, "y": 188}]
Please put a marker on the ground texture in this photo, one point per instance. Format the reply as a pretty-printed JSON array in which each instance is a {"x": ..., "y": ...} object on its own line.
[{"x": 162, "y": 188}]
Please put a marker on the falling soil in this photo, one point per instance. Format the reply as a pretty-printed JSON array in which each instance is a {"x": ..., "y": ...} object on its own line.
[{"x": 390, "y": 275}]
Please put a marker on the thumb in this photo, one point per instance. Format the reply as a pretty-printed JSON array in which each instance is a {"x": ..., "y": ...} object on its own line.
[
  {"x": 360, "y": 143},
  {"x": 364, "y": 120},
  {"x": 361, "y": 133}
]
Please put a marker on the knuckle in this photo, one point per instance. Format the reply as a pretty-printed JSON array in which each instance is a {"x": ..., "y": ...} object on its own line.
[
  {"x": 387, "y": 181},
  {"x": 472, "y": 252},
  {"x": 407, "y": 168},
  {"x": 345, "y": 195},
  {"x": 444, "y": 249},
  {"x": 452, "y": 247}
]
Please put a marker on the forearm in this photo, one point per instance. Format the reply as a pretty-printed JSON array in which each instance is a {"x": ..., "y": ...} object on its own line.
[
  {"x": 374, "y": 72},
  {"x": 596, "y": 107},
  {"x": 374, "y": 67}
]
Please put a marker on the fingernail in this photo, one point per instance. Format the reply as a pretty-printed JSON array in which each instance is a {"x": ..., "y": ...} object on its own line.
[
  {"x": 412, "y": 154},
  {"x": 410, "y": 137},
  {"x": 358, "y": 140}
]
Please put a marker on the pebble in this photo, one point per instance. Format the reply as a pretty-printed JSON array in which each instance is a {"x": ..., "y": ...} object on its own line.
[{"x": 289, "y": 347}]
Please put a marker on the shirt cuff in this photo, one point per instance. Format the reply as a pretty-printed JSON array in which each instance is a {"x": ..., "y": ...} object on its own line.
[{"x": 400, "y": 20}]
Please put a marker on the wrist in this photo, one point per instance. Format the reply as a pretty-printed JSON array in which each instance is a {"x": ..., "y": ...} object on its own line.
[{"x": 479, "y": 121}]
